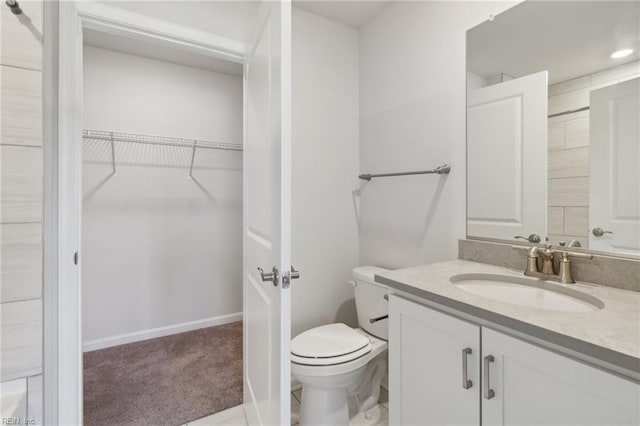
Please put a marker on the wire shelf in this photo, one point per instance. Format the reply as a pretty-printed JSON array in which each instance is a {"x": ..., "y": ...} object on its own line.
[
  {"x": 158, "y": 140},
  {"x": 117, "y": 148}
]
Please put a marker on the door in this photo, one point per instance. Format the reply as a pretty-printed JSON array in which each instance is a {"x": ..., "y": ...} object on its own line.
[
  {"x": 507, "y": 158},
  {"x": 534, "y": 386},
  {"x": 267, "y": 218},
  {"x": 614, "y": 194},
  {"x": 434, "y": 367}
]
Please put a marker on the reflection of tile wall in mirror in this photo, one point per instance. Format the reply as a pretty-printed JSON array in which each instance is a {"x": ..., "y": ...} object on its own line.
[
  {"x": 577, "y": 131},
  {"x": 555, "y": 220},
  {"x": 576, "y": 221},
  {"x": 571, "y": 162},
  {"x": 568, "y": 156},
  {"x": 573, "y": 192}
]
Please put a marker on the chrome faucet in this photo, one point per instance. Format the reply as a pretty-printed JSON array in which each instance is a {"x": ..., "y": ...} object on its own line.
[{"x": 547, "y": 254}]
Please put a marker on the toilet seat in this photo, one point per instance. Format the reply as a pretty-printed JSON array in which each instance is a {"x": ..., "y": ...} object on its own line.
[
  {"x": 329, "y": 345},
  {"x": 378, "y": 346}
]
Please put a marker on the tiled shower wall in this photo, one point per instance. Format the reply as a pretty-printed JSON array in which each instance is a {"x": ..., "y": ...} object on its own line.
[
  {"x": 21, "y": 214},
  {"x": 568, "y": 144}
]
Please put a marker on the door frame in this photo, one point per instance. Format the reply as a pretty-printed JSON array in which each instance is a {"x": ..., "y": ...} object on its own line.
[{"x": 63, "y": 393}]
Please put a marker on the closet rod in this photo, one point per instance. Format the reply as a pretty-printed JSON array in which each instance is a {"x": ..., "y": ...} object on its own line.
[
  {"x": 572, "y": 111},
  {"x": 158, "y": 140}
]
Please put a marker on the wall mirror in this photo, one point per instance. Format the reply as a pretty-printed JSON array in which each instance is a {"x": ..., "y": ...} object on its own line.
[{"x": 553, "y": 125}]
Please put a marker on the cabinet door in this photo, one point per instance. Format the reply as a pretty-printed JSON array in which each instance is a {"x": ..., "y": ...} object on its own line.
[
  {"x": 534, "y": 386},
  {"x": 426, "y": 367}
]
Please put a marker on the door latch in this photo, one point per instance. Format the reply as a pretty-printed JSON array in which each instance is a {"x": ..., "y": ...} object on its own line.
[
  {"x": 599, "y": 232},
  {"x": 273, "y": 276},
  {"x": 288, "y": 276}
]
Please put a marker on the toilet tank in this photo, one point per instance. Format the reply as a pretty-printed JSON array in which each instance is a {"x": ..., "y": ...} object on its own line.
[{"x": 370, "y": 301}]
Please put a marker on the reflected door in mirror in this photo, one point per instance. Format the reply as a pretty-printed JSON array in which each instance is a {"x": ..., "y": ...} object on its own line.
[
  {"x": 507, "y": 158},
  {"x": 614, "y": 195}
]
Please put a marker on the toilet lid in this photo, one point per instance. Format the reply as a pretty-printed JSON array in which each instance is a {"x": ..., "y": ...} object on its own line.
[{"x": 323, "y": 345}]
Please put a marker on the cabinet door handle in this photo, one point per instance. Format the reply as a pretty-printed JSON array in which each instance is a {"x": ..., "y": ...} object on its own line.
[
  {"x": 466, "y": 383},
  {"x": 488, "y": 392}
]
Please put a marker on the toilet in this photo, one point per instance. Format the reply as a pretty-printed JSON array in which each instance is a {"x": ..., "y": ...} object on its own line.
[{"x": 341, "y": 368}]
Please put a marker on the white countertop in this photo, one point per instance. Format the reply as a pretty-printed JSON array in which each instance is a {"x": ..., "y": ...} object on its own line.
[{"x": 611, "y": 334}]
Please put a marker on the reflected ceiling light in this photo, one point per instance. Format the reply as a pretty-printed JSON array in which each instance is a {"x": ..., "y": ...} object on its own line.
[{"x": 621, "y": 53}]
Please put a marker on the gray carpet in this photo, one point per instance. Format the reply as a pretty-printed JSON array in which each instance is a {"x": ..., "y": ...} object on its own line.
[{"x": 165, "y": 381}]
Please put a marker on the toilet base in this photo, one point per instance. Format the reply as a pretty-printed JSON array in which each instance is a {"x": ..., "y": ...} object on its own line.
[
  {"x": 367, "y": 418},
  {"x": 332, "y": 409},
  {"x": 329, "y": 407}
]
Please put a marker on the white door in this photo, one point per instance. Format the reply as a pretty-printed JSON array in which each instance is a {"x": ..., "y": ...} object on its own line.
[
  {"x": 534, "y": 386},
  {"x": 434, "y": 367},
  {"x": 267, "y": 218},
  {"x": 507, "y": 159},
  {"x": 614, "y": 194}
]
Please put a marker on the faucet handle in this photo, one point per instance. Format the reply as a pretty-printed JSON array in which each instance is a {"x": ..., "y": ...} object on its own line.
[
  {"x": 564, "y": 274},
  {"x": 576, "y": 254}
]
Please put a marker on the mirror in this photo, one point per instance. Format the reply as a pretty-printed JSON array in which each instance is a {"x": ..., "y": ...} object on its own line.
[{"x": 553, "y": 125}]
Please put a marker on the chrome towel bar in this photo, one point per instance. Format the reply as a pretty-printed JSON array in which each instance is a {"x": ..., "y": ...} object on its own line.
[{"x": 441, "y": 170}]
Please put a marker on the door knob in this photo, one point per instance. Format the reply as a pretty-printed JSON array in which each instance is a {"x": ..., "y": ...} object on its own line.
[
  {"x": 272, "y": 276},
  {"x": 294, "y": 274},
  {"x": 599, "y": 232},
  {"x": 533, "y": 238},
  {"x": 288, "y": 276}
]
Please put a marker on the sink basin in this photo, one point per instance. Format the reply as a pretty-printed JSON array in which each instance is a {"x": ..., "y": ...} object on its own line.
[{"x": 529, "y": 292}]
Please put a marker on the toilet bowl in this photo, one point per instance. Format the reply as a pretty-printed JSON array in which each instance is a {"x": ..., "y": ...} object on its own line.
[{"x": 341, "y": 368}]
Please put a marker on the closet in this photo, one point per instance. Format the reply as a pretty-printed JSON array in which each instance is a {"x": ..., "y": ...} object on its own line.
[{"x": 161, "y": 233}]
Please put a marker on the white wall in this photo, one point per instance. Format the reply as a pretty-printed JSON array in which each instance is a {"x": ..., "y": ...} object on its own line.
[
  {"x": 159, "y": 249},
  {"x": 325, "y": 169},
  {"x": 140, "y": 95},
  {"x": 412, "y": 117}
]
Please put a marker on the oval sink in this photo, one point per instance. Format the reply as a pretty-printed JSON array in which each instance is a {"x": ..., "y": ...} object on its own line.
[{"x": 524, "y": 291}]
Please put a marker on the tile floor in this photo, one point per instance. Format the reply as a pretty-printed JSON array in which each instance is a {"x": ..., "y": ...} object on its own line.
[{"x": 235, "y": 416}]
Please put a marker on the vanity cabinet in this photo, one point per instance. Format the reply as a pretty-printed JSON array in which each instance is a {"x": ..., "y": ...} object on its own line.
[
  {"x": 512, "y": 382},
  {"x": 427, "y": 350}
]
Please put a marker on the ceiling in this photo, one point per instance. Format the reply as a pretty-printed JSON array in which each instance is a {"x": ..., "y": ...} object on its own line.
[
  {"x": 355, "y": 14},
  {"x": 568, "y": 38},
  {"x": 159, "y": 52}
]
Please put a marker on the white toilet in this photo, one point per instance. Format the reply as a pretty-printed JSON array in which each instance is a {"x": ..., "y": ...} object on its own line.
[{"x": 341, "y": 368}]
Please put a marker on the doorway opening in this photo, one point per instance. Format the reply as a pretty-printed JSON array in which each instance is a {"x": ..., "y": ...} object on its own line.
[{"x": 161, "y": 232}]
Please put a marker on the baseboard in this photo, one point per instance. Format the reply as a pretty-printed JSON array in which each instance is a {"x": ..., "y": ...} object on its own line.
[{"x": 138, "y": 336}]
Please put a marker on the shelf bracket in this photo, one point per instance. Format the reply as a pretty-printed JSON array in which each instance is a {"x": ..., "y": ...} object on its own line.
[
  {"x": 193, "y": 156},
  {"x": 113, "y": 154}
]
